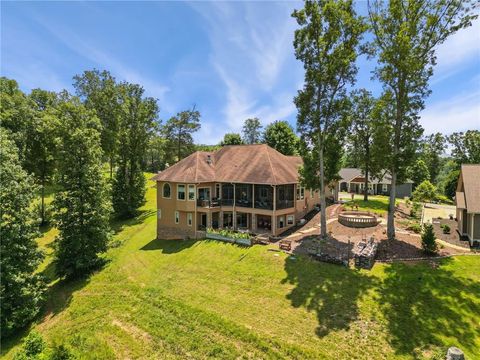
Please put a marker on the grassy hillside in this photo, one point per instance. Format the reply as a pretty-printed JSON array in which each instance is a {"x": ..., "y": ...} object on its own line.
[{"x": 185, "y": 299}]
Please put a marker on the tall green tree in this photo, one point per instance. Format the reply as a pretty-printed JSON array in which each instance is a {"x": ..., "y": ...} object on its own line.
[
  {"x": 466, "y": 147},
  {"x": 252, "y": 131},
  {"x": 406, "y": 35},
  {"x": 280, "y": 136},
  {"x": 42, "y": 140},
  {"x": 155, "y": 155},
  {"x": 433, "y": 146},
  {"x": 82, "y": 206},
  {"x": 231, "y": 139},
  {"x": 326, "y": 42},
  {"x": 418, "y": 172},
  {"x": 21, "y": 291},
  {"x": 100, "y": 92},
  {"x": 363, "y": 122},
  {"x": 138, "y": 121},
  {"x": 178, "y": 131},
  {"x": 15, "y": 114}
]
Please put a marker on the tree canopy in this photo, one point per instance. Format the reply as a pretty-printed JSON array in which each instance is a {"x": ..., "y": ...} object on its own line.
[
  {"x": 326, "y": 42},
  {"x": 82, "y": 205},
  {"x": 280, "y": 136},
  {"x": 252, "y": 131},
  {"x": 21, "y": 293},
  {"x": 405, "y": 37},
  {"x": 231, "y": 139}
]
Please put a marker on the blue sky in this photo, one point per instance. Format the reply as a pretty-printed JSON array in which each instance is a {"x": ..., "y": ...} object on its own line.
[{"x": 233, "y": 60}]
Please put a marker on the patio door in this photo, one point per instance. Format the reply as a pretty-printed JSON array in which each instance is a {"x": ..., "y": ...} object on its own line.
[{"x": 203, "y": 221}]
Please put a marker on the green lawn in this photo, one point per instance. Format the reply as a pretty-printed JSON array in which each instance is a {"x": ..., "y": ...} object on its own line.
[
  {"x": 377, "y": 204},
  {"x": 185, "y": 299}
]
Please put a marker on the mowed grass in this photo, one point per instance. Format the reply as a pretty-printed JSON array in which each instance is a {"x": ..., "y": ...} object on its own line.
[
  {"x": 160, "y": 299},
  {"x": 375, "y": 203}
]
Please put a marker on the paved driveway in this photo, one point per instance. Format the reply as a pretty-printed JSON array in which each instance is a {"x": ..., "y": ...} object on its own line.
[{"x": 433, "y": 211}]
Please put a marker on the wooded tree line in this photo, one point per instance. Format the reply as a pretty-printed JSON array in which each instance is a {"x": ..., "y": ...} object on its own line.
[{"x": 92, "y": 148}]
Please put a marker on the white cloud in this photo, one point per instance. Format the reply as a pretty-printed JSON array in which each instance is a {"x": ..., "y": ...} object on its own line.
[
  {"x": 459, "y": 113},
  {"x": 460, "y": 49},
  {"x": 252, "y": 53},
  {"x": 84, "y": 48}
]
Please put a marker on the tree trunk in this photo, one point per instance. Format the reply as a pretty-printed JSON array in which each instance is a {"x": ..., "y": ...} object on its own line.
[
  {"x": 43, "y": 202},
  {"x": 323, "y": 211},
  {"x": 391, "y": 208},
  {"x": 111, "y": 167},
  {"x": 365, "y": 193}
]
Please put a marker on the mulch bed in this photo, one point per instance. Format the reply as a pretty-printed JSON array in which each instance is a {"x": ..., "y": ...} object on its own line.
[
  {"x": 405, "y": 246},
  {"x": 452, "y": 238}
]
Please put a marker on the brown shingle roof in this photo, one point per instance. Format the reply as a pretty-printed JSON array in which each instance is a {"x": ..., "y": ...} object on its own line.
[
  {"x": 259, "y": 164},
  {"x": 470, "y": 175}
]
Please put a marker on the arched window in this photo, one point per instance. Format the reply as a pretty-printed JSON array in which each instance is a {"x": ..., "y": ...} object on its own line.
[{"x": 166, "y": 191}]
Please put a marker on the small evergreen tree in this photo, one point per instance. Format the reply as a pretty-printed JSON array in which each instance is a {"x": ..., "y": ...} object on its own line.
[
  {"x": 429, "y": 245},
  {"x": 82, "y": 206},
  {"x": 21, "y": 291}
]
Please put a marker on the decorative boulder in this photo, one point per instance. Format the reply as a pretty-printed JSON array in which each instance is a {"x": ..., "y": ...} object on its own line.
[{"x": 455, "y": 353}]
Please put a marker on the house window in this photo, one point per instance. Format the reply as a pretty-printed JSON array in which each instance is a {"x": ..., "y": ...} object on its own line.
[
  {"x": 370, "y": 186},
  {"x": 290, "y": 219},
  {"x": 181, "y": 192},
  {"x": 159, "y": 213},
  {"x": 177, "y": 217},
  {"x": 300, "y": 192},
  {"x": 189, "y": 219},
  {"x": 191, "y": 192},
  {"x": 217, "y": 191},
  {"x": 384, "y": 187},
  {"x": 166, "y": 191},
  {"x": 281, "y": 222}
]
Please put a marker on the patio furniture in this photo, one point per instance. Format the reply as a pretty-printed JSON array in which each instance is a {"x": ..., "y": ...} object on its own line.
[{"x": 285, "y": 245}]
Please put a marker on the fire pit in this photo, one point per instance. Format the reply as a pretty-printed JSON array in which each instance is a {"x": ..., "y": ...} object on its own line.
[{"x": 357, "y": 219}]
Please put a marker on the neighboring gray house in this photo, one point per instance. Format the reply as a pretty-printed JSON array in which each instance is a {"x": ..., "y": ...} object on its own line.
[
  {"x": 353, "y": 180},
  {"x": 467, "y": 199}
]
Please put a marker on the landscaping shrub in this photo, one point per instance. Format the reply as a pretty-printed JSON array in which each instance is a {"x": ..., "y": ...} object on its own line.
[
  {"x": 415, "y": 227},
  {"x": 429, "y": 244},
  {"x": 32, "y": 347},
  {"x": 443, "y": 199},
  {"x": 445, "y": 228},
  {"x": 415, "y": 211},
  {"x": 229, "y": 233},
  {"x": 61, "y": 352}
]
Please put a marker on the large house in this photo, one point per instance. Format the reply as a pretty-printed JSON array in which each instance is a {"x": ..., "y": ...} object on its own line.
[
  {"x": 467, "y": 199},
  {"x": 352, "y": 180},
  {"x": 239, "y": 187}
]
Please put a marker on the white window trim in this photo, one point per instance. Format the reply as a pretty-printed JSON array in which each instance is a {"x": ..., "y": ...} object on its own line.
[
  {"x": 384, "y": 187},
  {"x": 163, "y": 186},
  {"x": 185, "y": 192},
  {"x": 159, "y": 213},
  {"x": 280, "y": 218},
  {"x": 293, "y": 220},
  {"x": 177, "y": 217},
  {"x": 188, "y": 192},
  {"x": 189, "y": 219}
]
